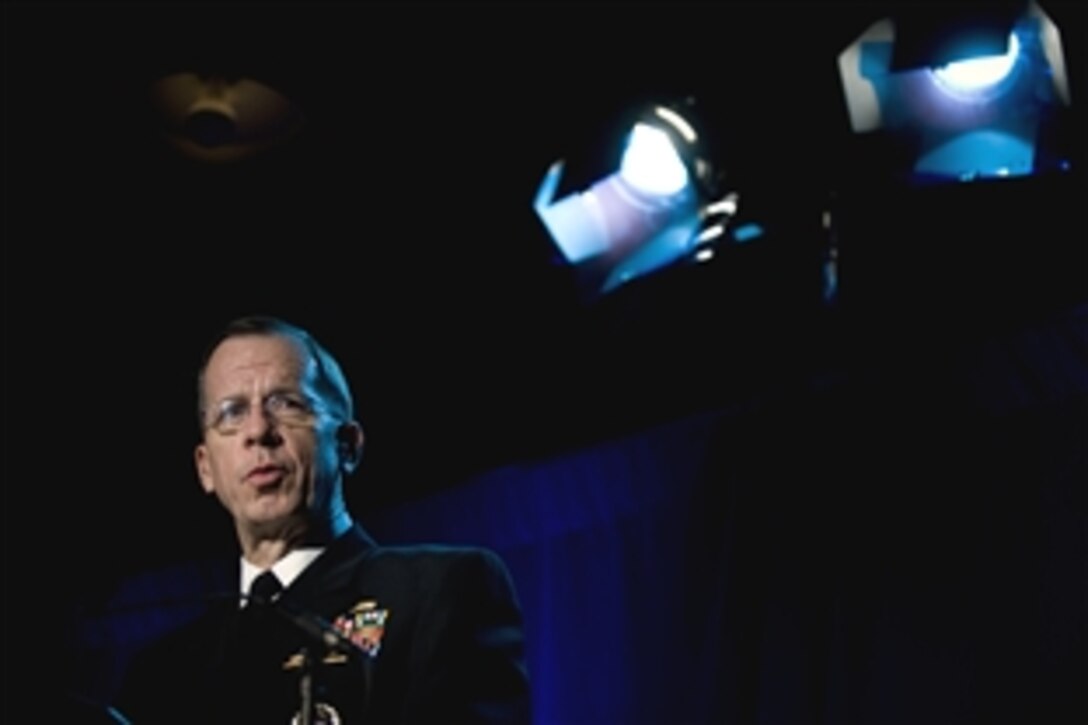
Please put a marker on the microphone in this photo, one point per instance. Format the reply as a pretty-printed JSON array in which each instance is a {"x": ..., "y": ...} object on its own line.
[{"x": 318, "y": 628}]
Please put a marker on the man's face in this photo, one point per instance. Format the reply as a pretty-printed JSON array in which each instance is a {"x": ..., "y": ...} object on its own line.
[{"x": 269, "y": 451}]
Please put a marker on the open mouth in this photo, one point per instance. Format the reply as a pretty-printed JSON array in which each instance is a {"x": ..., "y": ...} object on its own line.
[{"x": 265, "y": 476}]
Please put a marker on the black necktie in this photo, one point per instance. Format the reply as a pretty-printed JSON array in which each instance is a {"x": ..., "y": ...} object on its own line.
[
  {"x": 264, "y": 589},
  {"x": 257, "y": 615},
  {"x": 256, "y": 665}
]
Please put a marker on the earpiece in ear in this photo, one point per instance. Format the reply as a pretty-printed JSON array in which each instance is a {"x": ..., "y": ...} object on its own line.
[
  {"x": 344, "y": 438},
  {"x": 347, "y": 446}
]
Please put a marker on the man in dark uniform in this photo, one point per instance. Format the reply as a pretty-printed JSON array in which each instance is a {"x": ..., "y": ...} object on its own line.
[{"x": 328, "y": 626}]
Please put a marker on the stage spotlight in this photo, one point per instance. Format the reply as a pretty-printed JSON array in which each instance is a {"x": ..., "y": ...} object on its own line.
[
  {"x": 214, "y": 118},
  {"x": 664, "y": 201},
  {"x": 961, "y": 95}
]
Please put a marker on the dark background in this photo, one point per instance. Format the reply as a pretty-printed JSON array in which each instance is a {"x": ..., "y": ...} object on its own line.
[{"x": 397, "y": 226}]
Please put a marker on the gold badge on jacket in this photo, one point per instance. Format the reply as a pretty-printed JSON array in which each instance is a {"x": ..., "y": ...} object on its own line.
[{"x": 364, "y": 626}]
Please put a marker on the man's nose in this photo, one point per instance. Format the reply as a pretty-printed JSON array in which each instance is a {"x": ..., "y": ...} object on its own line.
[{"x": 260, "y": 427}]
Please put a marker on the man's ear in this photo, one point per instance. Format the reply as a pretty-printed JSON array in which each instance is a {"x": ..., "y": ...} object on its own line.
[
  {"x": 349, "y": 445},
  {"x": 203, "y": 468}
]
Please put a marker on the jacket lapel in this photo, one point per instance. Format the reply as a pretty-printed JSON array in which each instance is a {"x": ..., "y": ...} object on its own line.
[{"x": 326, "y": 588}]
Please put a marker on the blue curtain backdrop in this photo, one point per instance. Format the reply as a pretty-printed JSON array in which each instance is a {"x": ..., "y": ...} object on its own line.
[
  {"x": 903, "y": 541},
  {"x": 901, "y": 545}
]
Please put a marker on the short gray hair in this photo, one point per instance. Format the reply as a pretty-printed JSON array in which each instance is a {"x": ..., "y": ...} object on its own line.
[{"x": 331, "y": 383}]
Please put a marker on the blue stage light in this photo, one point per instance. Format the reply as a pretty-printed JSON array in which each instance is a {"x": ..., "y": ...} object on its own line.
[
  {"x": 963, "y": 118},
  {"x": 649, "y": 212}
]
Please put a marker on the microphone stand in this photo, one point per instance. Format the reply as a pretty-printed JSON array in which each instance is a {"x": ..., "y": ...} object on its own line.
[
  {"x": 332, "y": 642},
  {"x": 306, "y": 689}
]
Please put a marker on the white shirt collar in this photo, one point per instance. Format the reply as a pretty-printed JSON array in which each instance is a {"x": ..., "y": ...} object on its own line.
[{"x": 286, "y": 569}]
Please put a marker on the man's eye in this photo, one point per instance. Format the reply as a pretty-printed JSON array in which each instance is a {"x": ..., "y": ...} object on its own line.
[
  {"x": 287, "y": 404},
  {"x": 231, "y": 411}
]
